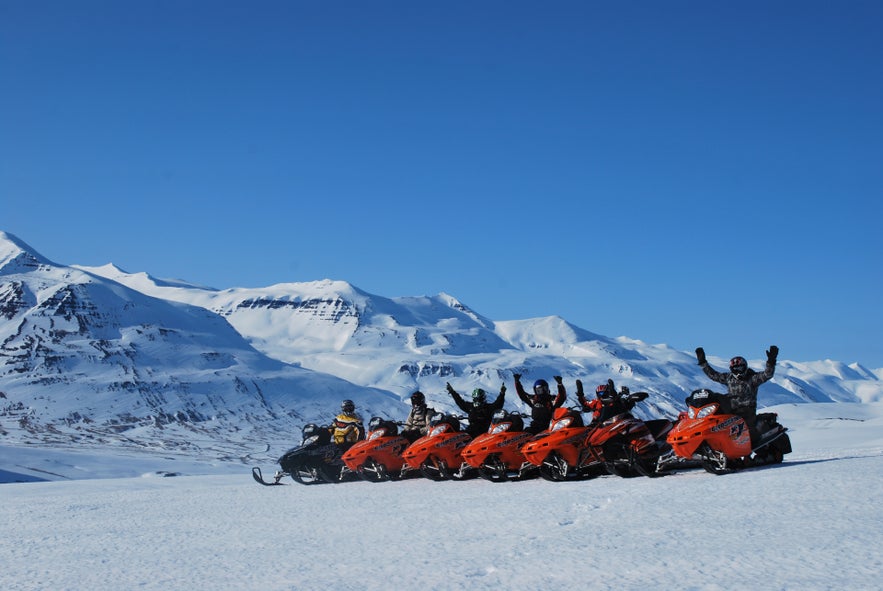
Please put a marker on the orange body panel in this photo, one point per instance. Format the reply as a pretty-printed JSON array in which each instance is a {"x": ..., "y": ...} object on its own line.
[
  {"x": 445, "y": 445},
  {"x": 723, "y": 432},
  {"x": 569, "y": 442},
  {"x": 385, "y": 450},
  {"x": 506, "y": 444}
]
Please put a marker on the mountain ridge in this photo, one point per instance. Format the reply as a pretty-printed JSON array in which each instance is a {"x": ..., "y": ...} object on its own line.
[{"x": 100, "y": 354}]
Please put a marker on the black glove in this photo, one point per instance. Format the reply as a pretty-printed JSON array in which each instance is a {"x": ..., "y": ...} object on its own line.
[
  {"x": 579, "y": 387},
  {"x": 772, "y": 354},
  {"x": 557, "y": 379},
  {"x": 517, "y": 376},
  {"x": 449, "y": 387},
  {"x": 503, "y": 389},
  {"x": 700, "y": 355}
]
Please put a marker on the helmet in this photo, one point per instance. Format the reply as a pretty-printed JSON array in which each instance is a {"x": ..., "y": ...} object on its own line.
[
  {"x": 541, "y": 388},
  {"x": 418, "y": 399},
  {"x": 605, "y": 393},
  {"x": 738, "y": 365},
  {"x": 347, "y": 406},
  {"x": 478, "y": 397}
]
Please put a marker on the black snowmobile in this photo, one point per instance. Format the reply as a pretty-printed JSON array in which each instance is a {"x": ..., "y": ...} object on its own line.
[{"x": 316, "y": 460}]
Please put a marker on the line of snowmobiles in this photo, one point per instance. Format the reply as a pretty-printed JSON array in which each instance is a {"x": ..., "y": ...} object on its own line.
[{"x": 706, "y": 435}]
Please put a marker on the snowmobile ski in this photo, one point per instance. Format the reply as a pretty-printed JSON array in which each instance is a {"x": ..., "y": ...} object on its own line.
[{"x": 259, "y": 478}]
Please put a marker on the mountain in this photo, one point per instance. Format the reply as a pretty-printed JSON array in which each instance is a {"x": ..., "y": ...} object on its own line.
[
  {"x": 87, "y": 360},
  {"x": 405, "y": 343},
  {"x": 99, "y": 355}
]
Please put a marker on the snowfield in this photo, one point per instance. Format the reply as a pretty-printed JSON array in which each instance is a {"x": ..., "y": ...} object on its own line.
[{"x": 813, "y": 522}]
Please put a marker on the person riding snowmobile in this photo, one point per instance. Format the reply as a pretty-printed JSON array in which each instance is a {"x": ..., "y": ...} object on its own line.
[
  {"x": 607, "y": 403},
  {"x": 347, "y": 427},
  {"x": 481, "y": 411},
  {"x": 742, "y": 383},
  {"x": 417, "y": 423},
  {"x": 542, "y": 406}
]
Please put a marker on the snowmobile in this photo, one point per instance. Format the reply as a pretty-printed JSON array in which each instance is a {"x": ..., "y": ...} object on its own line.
[
  {"x": 438, "y": 454},
  {"x": 378, "y": 457},
  {"x": 616, "y": 443},
  {"x": 316, "y": 460},
  {"x": 497, "y": 454},
  {"x": 719, "y": 440},
  {"x": 626, "y": 445},
  {"x": 559, "y": 450}
]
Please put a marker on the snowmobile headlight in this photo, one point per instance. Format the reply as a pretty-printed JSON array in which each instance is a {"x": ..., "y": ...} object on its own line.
[
  {"x": 376, "y": 434},
  {"x": 438, "y": 430},
  {"x": 706, "y": 410},
  {"x": 562, "y": 423},
  {"x": 499, "y": 428},
  {"x": 311, "y": 440}
]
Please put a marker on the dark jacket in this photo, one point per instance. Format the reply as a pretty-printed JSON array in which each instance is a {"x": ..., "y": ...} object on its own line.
[
  {"x": 541, "y": 408},
  {"x": 479, "y": 416},
  {"x": 742, "y": 389},
  {"x": 616, "y": 403}
]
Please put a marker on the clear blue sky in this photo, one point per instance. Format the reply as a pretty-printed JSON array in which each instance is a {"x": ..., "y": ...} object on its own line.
[{"x": 686, "y": 172}]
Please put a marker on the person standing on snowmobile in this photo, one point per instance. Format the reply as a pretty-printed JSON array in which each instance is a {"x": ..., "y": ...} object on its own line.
[
  {"x": 481, "y": 411},
  {"x": 541, "y": 403},
  {"x": 417, "y": 423},
  {"x": 347, "y": 427},
  {"x": 742, "y": 383}
]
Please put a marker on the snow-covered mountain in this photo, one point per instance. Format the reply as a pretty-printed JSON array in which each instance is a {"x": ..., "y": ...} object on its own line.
[
  {"x": 105, "y": 356},
  {"x": 86, "y": 359},
  {"x": 401, "y": 344}
]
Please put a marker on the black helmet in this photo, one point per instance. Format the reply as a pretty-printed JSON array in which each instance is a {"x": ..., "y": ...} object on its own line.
[
  {"x": 478, "y": 397},
  {"x": 541, "y": 388},
  {"x": 738, "y": 365},
  {"x": 418, "y": 399},
  {"x": 348, "y": 406}
]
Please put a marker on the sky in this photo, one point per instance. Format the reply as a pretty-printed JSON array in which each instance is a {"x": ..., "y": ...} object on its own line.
[{"x": 690, "y": 173}]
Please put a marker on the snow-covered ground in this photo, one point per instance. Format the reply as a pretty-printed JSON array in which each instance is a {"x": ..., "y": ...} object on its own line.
[{"x": 814, "y": 522}]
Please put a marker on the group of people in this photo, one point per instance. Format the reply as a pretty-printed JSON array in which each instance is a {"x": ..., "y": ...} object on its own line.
[{"x": 742, "y": 384}]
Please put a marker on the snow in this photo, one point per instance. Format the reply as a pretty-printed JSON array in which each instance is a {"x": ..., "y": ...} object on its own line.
[{"x": 814, "y": 522}]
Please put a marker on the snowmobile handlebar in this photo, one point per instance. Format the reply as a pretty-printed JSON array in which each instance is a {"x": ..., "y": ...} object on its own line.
[{"x": 637, "y": 396}]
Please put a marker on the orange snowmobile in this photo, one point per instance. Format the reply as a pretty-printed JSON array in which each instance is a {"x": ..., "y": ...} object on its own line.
[
  {"x": 438, "y": 454},
  {"x": 497, "y": 454},
  {"x": 708, "y": 433},
  {"x": 378, "y": 457}
]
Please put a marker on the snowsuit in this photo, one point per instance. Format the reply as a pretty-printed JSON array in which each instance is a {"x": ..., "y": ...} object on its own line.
[
  {"x": 601, "y": 410},
  {"x": 417, "y": 423},
  {"x": 541, "y": 407},
  {"x": 479, "y": 416},
  {"x": 742, "y": 391},
  {"x": 346, "y": 429}
]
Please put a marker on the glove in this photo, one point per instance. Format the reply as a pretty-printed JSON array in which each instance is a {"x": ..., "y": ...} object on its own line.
[
  {"x": 579, "y": 387},
  {"x": 772, "y": 354},
  {"x": 700, "y": 355},
  {"x": 517, "y": 376},
  {"x": 557, "y": 379},
  {"x": 503, "y": 389},
  {"x": 449, "y": 387}
]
